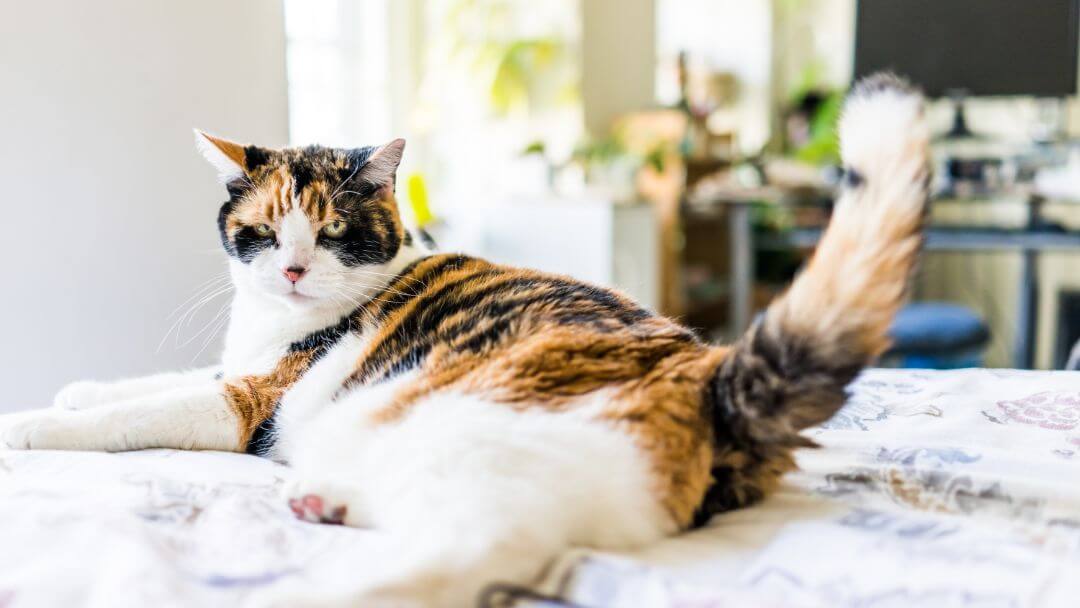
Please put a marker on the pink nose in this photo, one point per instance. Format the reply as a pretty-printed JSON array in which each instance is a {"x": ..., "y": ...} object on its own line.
[{"x": 293, "y": 273}]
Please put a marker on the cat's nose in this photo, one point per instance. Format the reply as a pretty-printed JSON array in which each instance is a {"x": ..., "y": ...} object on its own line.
[{"x": 293, "y": 273}]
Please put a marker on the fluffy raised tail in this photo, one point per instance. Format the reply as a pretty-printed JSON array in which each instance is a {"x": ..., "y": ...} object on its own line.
[{"x": 790, "y": 370}]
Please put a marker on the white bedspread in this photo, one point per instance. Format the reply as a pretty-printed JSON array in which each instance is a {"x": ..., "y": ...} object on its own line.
[{"x": 934, "y": 489}]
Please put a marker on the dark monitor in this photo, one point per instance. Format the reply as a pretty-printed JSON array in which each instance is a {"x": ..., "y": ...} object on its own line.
[{"x": 979, "y": 47}]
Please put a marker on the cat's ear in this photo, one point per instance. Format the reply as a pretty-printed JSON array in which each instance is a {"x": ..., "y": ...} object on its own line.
[
  {"x": 381, "y": 166},
  {"x": 231, "y": 159}
]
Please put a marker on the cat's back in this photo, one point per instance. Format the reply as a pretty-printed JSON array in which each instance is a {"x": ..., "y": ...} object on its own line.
[{"x": 455, "y": 308}]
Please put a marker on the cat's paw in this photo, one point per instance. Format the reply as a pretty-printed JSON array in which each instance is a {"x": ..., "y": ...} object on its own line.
[
  {"x": 325, "y": 502},
  {"x": 81, "y": 395},
  {"x": 37, "y": 430},
  {"x": 312, "y": 508}
]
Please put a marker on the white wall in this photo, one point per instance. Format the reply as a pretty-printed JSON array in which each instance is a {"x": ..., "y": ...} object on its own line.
[{"x": 107, "y": 213}]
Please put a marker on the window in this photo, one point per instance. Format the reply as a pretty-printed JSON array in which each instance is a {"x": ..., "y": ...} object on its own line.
[{"x": 338, "y": 56}]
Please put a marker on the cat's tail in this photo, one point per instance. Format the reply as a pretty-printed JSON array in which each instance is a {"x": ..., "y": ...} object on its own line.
[{"x": 790, "y": 370}]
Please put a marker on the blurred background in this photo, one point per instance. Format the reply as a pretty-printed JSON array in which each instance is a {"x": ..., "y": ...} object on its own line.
[{"x": 681, "y": 150}]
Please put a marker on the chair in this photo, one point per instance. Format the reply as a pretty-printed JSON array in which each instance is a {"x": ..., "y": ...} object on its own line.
[{"x": 938, "y": 335}]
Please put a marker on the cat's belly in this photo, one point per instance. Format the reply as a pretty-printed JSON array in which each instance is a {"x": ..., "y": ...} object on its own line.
[{"x": 469, "y": 453}]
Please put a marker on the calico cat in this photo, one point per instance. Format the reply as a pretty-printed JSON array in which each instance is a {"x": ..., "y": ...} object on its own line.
[{"x": 488, "y": 418}]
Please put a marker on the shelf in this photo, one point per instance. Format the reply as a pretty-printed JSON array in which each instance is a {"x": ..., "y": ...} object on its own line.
[{"x": 944, "y": 239}]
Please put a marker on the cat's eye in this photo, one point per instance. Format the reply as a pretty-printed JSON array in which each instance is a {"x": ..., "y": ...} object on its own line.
[
  {"x": 263, "y": 230},
  {"x": 335, "y": 229}
]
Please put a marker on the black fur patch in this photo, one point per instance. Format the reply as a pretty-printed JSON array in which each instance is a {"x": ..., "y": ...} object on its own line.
[
  {"x": 362, "y": 245},
  {"x": 852, "y": 178},
  {"x": 247, "y": 244},
  {"x": 319, "y": 343},
  {"x": 255, "y": 157},
  {"x": 262, "y": 439},
  {"x": 302, "y": 174},
  {"x": 223, "y": 218}
]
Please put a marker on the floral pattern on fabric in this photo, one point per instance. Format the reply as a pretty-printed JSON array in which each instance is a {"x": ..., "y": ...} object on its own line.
[
  {"x": 955, "y": 488},
  {"x": 937, "y": 489},
  {"x": 1054, "y": 410}
]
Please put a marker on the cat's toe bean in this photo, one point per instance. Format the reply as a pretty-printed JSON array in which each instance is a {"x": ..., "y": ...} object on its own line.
[
  {"x": 312, "y": 508},
  {"x": 324, "y": 503}
]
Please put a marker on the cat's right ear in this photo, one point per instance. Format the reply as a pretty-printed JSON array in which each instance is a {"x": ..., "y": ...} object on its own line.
[{"x": 232, "y": 160}]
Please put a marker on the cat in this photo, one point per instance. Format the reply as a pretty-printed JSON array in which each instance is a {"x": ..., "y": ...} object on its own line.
[{"x": 489, "y": 418}]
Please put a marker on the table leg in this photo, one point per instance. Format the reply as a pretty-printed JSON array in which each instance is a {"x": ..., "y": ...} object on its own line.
[
  {"x": 1028, "y": 298},
  {"x": 1026, "y": 308},
  {"x": 742, "y": 267}
]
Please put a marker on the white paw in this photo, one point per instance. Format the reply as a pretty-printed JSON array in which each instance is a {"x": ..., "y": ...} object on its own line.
[
  {"x": 37, "y": 430},
  {"x": 325, "y": 502},
  {"x": 80, "y": 395}
]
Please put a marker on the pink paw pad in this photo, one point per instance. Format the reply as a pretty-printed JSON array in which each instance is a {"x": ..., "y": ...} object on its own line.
[{"x": 311, "y": 508}]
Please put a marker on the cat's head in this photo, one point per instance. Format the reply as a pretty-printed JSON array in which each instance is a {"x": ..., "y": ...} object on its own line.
[{"x": 312, "y": 225}]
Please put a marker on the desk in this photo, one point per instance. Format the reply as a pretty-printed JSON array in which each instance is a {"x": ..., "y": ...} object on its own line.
[{"x": 1028, "y": 242}]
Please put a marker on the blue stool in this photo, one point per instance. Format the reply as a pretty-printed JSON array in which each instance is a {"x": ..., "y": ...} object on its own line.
[{"x": 938, "y": 335}]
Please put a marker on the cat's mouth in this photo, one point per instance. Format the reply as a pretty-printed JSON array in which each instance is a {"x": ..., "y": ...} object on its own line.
[{"x": 297, "y": 297}]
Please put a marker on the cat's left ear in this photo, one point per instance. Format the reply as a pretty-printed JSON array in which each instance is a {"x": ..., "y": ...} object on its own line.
[
  {"x": 381, "y": 166},
  {"x": 231, "y": 159}
]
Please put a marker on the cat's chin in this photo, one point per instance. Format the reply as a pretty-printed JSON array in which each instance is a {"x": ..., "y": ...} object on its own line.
[{"x": 299, "y": 300}]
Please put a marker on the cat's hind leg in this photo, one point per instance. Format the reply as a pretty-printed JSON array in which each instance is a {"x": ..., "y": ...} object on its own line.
[{"x": 473, "y": 493}]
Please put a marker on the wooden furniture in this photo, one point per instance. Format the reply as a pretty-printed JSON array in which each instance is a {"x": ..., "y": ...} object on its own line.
[{"x": 1029, "y": 242}]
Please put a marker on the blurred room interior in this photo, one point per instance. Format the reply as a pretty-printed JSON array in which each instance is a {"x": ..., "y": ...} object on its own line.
[{"x": 681, "y": 150}]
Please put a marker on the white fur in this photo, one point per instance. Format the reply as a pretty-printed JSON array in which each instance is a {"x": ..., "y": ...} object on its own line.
[
  {"x": 227, "y": 169},
  {"x": 86, "y": 394},
  {"x": 474, "y": 491},
  {"x": 190, "y": 418},
  {"x": 880, "y": 126}
]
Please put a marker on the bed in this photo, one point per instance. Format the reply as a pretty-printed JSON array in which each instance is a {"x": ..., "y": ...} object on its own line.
[{"x": 953, "y": 488}]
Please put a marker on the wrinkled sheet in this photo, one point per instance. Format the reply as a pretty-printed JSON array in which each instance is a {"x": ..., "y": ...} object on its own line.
[{"x": 932, "y": 489}]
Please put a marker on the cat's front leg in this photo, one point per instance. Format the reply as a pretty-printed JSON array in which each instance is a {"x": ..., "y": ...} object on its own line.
[
  {"x": 195, "y": 418},
  {"x": 86, "y": 394}
]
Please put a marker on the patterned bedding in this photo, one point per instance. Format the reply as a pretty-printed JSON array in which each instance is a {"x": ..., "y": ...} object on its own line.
[{"x": 933, "y": 489}]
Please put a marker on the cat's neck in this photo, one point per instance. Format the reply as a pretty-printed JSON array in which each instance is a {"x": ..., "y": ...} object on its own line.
[{"x": 261, "y": 327}]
